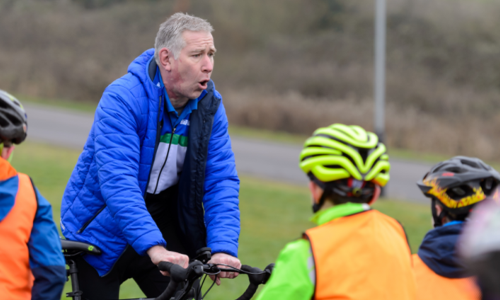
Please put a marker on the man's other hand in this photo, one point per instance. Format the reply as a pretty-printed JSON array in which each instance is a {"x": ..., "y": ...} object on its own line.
[
  {"x": 223, "y": 258},
  {"x": 159, "y": 253}
]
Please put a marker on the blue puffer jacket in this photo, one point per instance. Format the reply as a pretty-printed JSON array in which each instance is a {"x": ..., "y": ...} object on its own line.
[{"x": 103, "y": 203}]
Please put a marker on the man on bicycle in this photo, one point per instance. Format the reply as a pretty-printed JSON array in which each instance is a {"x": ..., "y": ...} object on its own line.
[
  {"x": 157, "y": 175},
  {"x": 355, "y": 252},
  {"x": 455, "y": 186},
  {"x": 31, "y": 262}
]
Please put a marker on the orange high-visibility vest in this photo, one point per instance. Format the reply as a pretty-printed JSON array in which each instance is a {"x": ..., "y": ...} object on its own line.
[
  {"x": 431, "y": 286},
  {"x": 16, "y": 279},
  {"x": 362, "y": 256}
]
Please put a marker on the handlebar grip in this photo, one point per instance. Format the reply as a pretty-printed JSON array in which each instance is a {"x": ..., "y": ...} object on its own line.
[
  {"x": 250, "y": 291},
  {"x": 259, "y": 277},
  {"x": 177, "y": 273},
  {"x": 165, "y": 266}
]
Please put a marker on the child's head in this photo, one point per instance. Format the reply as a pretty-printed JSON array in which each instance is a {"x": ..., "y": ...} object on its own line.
[
  {"x": 344, "y": 164},
  {"x": 13, "y": 123},
  {"x": 456, "y": 185}
]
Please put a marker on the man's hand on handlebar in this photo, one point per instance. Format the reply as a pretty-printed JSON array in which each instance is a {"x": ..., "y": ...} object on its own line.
[
  {"x": 159, "y": 253},
  {"x": 223, "y": 258}
]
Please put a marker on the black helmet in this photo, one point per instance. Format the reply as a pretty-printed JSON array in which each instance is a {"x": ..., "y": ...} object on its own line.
[
  {"x": 13, "y": 119},
  {"x": 457, "y": 185}
]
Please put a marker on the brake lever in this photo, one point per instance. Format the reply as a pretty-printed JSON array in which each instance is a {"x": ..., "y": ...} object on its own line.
[{"x": 211, "y": 269}]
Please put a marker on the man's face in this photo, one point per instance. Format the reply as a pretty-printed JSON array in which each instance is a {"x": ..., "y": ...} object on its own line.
[{"x": 191, "y": 71}]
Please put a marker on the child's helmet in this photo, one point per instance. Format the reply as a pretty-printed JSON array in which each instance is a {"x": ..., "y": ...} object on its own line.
[
  {"x": 458, "y": 184},
  {"x": 346, "y": 161},
  {"x": 13, "y": 119}
]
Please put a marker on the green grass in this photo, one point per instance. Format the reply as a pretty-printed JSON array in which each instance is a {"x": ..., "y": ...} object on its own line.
[{"x": 272, "y": 214}]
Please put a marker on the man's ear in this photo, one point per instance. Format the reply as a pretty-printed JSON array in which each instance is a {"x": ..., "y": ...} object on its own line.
[
  {"x": 166, "y": 56},
  {"x": 316, "y": 191}
]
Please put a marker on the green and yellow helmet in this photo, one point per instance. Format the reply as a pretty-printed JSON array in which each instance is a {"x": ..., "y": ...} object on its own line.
[{"x": 341, "y": 153}]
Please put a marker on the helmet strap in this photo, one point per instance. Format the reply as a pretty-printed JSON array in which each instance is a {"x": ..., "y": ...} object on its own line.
[
  {"x": 326, "y": 191},
  {"x": 438, "y": 219},
  {"x": 317, "y": 206}
]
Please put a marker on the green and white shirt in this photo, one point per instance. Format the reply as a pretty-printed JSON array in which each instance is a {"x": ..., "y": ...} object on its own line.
[{"x": 171, "y": 151}]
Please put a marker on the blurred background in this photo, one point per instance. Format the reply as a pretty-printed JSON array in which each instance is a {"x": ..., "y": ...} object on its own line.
[
  {"x": 284, "y": 68},
  {"x": 287, "y": 65}
]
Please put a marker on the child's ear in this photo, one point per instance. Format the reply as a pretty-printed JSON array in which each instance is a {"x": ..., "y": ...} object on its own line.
[
  {"x": 376, "y": 194},
  {"x": 316, "y": 191}
]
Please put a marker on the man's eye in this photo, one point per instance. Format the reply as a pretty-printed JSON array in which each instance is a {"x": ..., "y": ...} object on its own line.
[{"x": 196, "y": 55}]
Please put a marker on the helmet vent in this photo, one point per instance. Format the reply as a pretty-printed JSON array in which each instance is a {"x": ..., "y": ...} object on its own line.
[
  {"x": 488, "y": 185},
  {"x": 453, "y": 169},
  {"x": 459, "y": 192},
  {"x": 333, "y": 166},
  {"x": 471, "y": 163},
  {"x": 13, "y": 119},
  {"x": 3, "y": 121},
  {"x": 363, "y": 153}
]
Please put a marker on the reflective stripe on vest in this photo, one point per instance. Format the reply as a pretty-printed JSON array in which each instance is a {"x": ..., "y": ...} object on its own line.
[
  {"x": 16, "y": 279},
  {"x": 362, "y": 256},
  {"x": 433, "y": 286}
]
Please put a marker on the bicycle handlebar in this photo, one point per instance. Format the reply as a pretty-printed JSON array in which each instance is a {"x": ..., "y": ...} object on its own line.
[
  {"x": 177, "y": 275},
  {"x": 196, "y": 269},
  {"x": 256, "y": 277}
]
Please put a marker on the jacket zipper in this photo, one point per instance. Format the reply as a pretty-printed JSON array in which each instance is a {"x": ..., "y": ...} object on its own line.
[
  {"x": 157, "y": 142},
  {"x": 166, "y": 158},
  {"x": 90, "y": 220}
]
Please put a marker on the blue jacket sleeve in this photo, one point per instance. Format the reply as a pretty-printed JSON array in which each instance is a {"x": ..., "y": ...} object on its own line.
[
  {"x": 222, "y": 214},
  {"x": 117, "y": 152},
  {"x": 46, "y": 259}
]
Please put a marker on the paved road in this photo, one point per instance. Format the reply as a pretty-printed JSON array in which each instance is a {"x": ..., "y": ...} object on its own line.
[{"x": 264, "y": 159}]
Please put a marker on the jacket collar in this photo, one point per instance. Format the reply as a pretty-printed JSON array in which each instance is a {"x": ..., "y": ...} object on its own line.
[
  {"x": 152, "y": 67},
  {"x": 326, "y": 215},
  {"x": 140, "y": 69},
  {"x": 438, "y": 251}
]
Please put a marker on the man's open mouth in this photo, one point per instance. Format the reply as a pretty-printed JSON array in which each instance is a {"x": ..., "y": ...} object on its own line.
[{"x": 203, "y": 84}]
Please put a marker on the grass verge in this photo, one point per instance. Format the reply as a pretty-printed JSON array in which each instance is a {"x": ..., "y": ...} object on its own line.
[{"x": 272, "y": 214}]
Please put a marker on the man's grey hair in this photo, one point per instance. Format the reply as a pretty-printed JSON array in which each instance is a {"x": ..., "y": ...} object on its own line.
[{"x": 170, "y": 33}]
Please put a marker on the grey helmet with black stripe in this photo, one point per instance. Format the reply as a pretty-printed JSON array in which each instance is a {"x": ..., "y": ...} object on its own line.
[{"x": 13, "y": 119}]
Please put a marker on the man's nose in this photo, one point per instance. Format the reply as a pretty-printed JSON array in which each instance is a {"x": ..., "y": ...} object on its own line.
[{"x": 207, "y": 64}]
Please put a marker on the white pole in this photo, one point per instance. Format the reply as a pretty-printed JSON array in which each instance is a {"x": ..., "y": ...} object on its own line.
[{"x": 380, "y": 25}]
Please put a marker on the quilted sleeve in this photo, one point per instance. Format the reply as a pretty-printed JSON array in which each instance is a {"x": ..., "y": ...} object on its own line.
[
  {"x": 222, "y": 214},
  {"x": 117, "y": 152}
]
